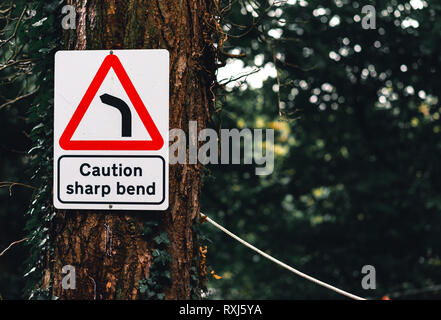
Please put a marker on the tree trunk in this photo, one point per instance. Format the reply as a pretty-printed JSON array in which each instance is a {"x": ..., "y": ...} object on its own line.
[{"x": 110, "y": 254}]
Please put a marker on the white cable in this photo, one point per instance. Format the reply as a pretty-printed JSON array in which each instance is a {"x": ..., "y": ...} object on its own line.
[{"x": 280, "y": 263}]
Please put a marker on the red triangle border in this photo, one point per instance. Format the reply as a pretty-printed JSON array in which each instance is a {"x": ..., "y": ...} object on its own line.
[{"x": 157, "y": 142}]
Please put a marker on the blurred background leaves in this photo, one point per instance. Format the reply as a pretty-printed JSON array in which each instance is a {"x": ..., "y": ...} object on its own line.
[{"x": 357, "y": 170}]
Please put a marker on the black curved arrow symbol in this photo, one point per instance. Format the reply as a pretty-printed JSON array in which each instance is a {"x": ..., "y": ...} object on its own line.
[{"x": 126, "y": 115}]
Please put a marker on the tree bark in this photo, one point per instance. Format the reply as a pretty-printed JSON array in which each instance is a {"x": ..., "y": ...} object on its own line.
[{"x": 106, "y": 248}]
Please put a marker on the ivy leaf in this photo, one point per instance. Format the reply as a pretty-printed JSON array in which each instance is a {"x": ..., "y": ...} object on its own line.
[
  {"x": 162, "y": 238},
  {"x": 161, "y": 296}
]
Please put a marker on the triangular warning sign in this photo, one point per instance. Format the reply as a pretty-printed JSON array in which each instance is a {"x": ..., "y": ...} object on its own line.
[{"x": 156, "y": 142}]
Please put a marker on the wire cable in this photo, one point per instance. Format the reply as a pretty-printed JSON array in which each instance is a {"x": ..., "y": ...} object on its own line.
[{"x": 280, "y": 263}]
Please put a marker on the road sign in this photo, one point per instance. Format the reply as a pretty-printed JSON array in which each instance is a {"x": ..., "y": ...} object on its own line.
[{"x": 111, "y": 119}]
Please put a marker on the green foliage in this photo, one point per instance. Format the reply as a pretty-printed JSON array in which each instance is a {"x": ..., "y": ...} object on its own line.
[
  {"x": 13, "y": 145},
  {"x": 356, "y": 179},
  {"x": 159, "y": 273},
  {"x": 148, "y": 227},
  {"x": 26, "y": 61},
  {"x": 42, "y": 40}
]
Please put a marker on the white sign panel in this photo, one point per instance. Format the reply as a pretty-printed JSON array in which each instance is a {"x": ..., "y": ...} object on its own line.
[{"x": 111, "y": 114}]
